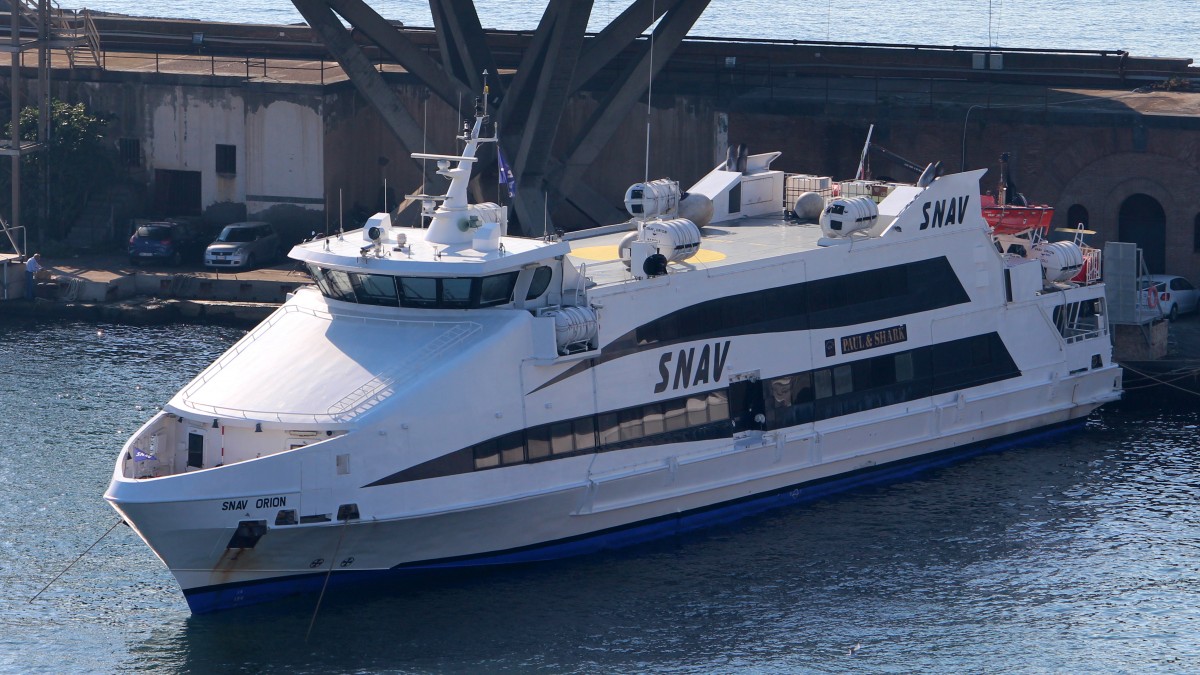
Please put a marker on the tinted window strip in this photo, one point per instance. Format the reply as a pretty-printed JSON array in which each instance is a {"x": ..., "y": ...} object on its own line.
[
  {"x": 796, "y": 398},
  {"x": 845, "y": 300}
]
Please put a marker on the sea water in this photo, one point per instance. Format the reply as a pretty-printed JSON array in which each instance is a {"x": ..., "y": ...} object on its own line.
[
  {"x": 1143, "y": 27},
  {"x": 1077, "y": 554}
]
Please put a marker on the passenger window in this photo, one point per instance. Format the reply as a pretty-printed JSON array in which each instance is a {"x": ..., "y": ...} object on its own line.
[
  {"x": 541, "y": 281},
  {"x": 823, "y": 383},
  {"x": 904, "y": 367},
  {"x": 675, "y": 415},
  {"x": 610, "y": 428},
  {"x": 718, "y": 406},
  {"x": 486, "y": 455},
  {"x": 512, "y": 448},
  {"x": 802, "y": 388},
  {"x": 539, "y": 443},
  {"x": 585, "y": 433},
  {"x": 652, "y": 419},
  {"x": 631, "y": 424},
  {"x": 697, "y": 411},
  {"x": 843, "y": 380},
  {"x": 562, "y": 440}
]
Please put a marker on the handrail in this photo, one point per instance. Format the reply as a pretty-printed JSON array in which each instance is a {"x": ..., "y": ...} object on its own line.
[{"x": 92, "y": 34}]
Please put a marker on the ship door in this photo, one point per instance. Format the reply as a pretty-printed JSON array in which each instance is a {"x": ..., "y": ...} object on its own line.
[
  {"x": 746, "y": 406},
  {"x": 195, "y": 449}
]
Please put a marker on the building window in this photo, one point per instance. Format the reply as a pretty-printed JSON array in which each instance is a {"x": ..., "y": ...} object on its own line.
[
  {"x": 226, "y": 159},
  {"x": 131, "y": 152}
]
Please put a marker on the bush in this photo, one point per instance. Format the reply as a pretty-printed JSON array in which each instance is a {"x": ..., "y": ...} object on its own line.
[{"x": 57, "y": 181}]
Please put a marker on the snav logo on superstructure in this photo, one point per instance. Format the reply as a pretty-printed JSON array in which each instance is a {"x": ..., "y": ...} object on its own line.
[
  {"x": 692, "y": 367},
  {"x": 952, "y": 211}
]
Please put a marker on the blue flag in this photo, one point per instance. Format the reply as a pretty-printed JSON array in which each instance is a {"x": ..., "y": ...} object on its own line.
[
  {"x": 140, "y": 455},
  {"x": 506, "y": 174}
]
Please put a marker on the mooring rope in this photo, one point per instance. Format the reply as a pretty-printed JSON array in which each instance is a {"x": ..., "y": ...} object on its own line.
[
  {"x": 1169, "y": 383},
  {"x": 328, "y": 573},
  {"x": 35, "y": 596}
]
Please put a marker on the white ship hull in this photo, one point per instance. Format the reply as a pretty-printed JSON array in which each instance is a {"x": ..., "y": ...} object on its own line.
[
  {"x": 582, "y": 513},
  {"x": 451, "y": 397}
]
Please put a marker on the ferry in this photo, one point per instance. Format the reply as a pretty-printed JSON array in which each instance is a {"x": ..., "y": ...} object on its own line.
[{"x": 449, "y": 395}]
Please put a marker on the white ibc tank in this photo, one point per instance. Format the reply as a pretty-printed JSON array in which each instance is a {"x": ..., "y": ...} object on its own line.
[
  {"x": 676, "y": 239},
  {"x": 574, "y": 325},
  {"x": 809, "y": 206},
  {"x": 655, "y": 198},
  {"x": 1061, "y": 260},
  {"x": 849, "y": 214}
]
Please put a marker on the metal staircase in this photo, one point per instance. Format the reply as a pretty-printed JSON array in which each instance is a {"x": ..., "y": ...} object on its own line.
[{"x": 72, "y": 31}]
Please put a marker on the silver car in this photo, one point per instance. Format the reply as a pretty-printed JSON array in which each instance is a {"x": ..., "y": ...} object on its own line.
[{"x": 243, "y": 246}]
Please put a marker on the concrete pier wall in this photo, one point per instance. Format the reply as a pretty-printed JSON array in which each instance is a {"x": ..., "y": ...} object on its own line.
[{"x": 305, "y": 141}]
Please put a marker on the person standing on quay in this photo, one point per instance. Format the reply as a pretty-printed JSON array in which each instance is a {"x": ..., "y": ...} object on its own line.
[{"x": 32, "y": 267}]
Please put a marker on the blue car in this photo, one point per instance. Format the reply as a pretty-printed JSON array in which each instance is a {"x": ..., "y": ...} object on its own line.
[{"x": 166, "y": 241}]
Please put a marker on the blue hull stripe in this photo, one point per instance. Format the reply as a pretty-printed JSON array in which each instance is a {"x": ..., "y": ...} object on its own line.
[{"x": 212, "y": 598}]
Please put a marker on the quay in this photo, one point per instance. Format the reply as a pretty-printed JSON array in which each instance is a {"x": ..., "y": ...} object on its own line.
[{"x": 100, "y": 287}]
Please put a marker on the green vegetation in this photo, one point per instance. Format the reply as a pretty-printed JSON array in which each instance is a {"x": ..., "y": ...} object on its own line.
[{"x": 57, "y": 181}]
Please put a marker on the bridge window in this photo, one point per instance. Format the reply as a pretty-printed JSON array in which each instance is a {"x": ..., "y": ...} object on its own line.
[
  {"x": 375, "y": 289},
  {"x": 541, "y": 281},
  {"x": 419, "y": 291},
  {"x": 497, "y": 289},
  {"x": 455, "y": 292},
  {"x": 333, "y": 283}
]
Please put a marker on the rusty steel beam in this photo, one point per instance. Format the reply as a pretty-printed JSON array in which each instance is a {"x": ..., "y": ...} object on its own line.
[
  {"x": 552, "y": 91},
  {"x": 379, "y": 30},
  {"x": 629, "y": 87},
  {"x": 616, "y": 36},
  {"x": 558, "y": 61},
  {"x": 463, "y": 44},
  {"x": 360, "y": 70}
]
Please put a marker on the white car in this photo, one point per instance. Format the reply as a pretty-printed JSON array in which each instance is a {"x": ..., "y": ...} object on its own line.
[
  {"x": 244, "y": 246},
  {"x": 1174, "y": 295}
]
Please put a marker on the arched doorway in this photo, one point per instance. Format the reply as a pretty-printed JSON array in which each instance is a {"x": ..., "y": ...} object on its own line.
[
  {"x": 1143, "y": 222},
  {"x": 1077, "y": 215}
]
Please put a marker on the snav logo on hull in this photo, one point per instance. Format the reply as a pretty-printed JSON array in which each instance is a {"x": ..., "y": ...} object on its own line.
[
  {"x": 950, "y": 211},
  {"x": 692, "y": 368}
]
